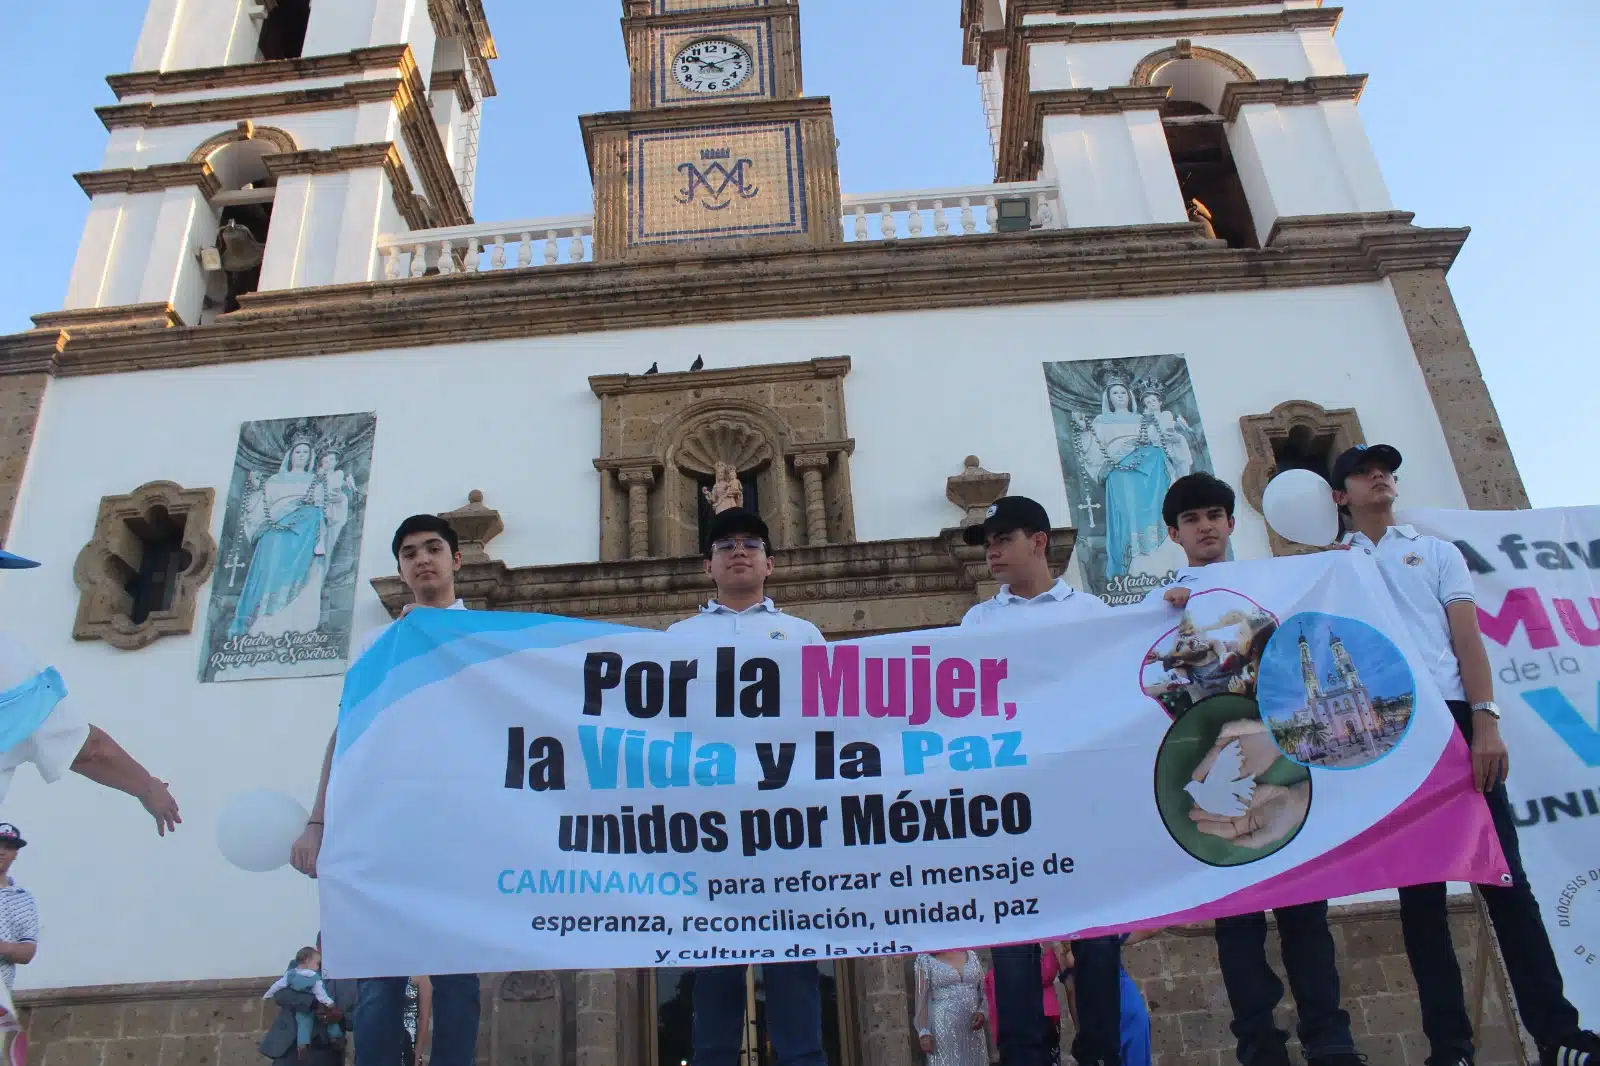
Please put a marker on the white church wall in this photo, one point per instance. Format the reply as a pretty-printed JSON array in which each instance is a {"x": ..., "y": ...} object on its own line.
[
  {"x": 517, "y": 420},
  {"x": 1198, "y": 11},
  {"x": 1313, "y": 160},
  {"x": 181, "y": 36},
  {"x": 349, "y": 24},
  {"x": 1112, "y": 170}
]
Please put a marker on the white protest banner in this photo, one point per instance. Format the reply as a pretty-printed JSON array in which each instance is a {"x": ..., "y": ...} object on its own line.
[
  {"x": 1537, "y": 576},
  {"x": 516, "y": 791}
]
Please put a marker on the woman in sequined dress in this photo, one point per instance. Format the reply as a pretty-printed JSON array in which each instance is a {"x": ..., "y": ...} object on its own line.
[{"x": 951, "y": 1015}]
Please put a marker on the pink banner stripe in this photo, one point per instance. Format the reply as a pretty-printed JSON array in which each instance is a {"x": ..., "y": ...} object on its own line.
[{"x": 1442, "y": 832}]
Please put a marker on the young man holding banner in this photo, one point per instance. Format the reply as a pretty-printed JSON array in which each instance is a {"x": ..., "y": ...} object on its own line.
[
  {"x": 1432, "y": 591},
  {"x": 1199, "y": 516},
  {"x": 1016, "y": 534},
  {"x": 425, "y": 550},
  {"x": 739, "y": 561}
]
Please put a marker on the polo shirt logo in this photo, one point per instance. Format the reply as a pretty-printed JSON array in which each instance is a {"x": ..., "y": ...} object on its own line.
[
  {"x": 1412, "y": 559},
  {"x": 778, "y": 634}
]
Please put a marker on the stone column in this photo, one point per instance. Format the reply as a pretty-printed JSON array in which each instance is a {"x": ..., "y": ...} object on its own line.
[
  {"x": 20, "y": 400},
  {"x": 638, "y": 483},
  {"x": 885, "y": 1004},
  {"x": 597, "y": 1020},
  {"x": 811, "y": 465},
  {"x": 1472, "y": 430}
]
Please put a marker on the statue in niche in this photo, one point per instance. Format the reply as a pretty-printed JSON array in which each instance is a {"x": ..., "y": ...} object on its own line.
[{"x": 725, "y": 492}]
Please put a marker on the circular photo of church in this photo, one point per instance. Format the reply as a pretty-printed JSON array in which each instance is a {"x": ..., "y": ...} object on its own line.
[
  {"x": 1214, "y": 650},
  {"x": 1226, "y": 794},
  {"x": 1335, "y": 693}
]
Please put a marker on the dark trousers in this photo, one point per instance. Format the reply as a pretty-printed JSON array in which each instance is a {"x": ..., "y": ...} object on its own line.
[
  {"x": 380, "y": 1020},
  {"x": 1097, "y": 977},
  {"x": 1021, "y": 1032},
  {"x": 794, "y": 1014},
  {"x": 1254, "y": 990},
  {"x": 1530, "y": 961}
]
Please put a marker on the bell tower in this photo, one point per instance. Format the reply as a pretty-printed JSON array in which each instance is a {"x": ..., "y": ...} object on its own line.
[
  {"x": 719, "y": 150},
  {"x": 266, "y": 145}
]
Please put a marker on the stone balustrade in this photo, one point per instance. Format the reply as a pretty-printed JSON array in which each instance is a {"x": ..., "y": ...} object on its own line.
[{"x": 541, "y": 242}]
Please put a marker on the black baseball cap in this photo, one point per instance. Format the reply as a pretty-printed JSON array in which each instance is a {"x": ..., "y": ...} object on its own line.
[
  {"x": 1007, "y": 515},
  {"x": 11, "y": 836},
  {"x": 737, "y": 520},
  {"x": 1361, "y": 455}
]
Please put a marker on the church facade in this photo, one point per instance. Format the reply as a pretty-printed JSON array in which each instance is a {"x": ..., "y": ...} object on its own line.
[{"x": 285, "y": 331}]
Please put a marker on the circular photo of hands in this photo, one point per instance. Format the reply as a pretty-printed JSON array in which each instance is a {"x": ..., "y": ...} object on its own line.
[{"x": 1227, "y": 793}]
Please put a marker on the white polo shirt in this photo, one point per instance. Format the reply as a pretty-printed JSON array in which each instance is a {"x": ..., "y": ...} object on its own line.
[
  {"x": 1057, "y": 603},
  {"x": 371, "y": 636},
  {"x": 55, "y": 743},
  {"x": 1424, "y": 575},
  {"x": 762, "y": 622}
]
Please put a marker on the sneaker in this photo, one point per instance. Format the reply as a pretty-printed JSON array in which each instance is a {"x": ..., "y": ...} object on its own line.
[
  {"x": 1337, "y": 1058},
  {"x": 1582, "y": 1048},
  {"x": 1273, "y": 1053}
]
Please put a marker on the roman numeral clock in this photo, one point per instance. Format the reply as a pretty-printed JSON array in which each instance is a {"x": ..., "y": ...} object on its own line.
[{"x": 719, "y": 151}]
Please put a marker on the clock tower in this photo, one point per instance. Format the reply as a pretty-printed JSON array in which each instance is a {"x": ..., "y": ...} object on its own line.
[{"x": 719, "y": 151}]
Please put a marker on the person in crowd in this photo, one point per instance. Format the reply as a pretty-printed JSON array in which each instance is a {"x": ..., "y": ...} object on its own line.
[
  {"x": 739, "y": 561},
  {"x": 39, "y": 725},
  {"x": 1054, "y": 958},
  {"x": 948, "y": 1011},
  {"x": 280, "y": 1043},
  {"x": 419, "y": 1011},
  {"x": 1432, "y": 591},
  {"x": 1135, "y": 1029},
  {"x": 305, "y": 975},
  {"x": 1199, "y": 514},
  {"x": 19, "y": 918},
  {"x": 426, "y": 550},
  {"x": 1015, "y": 534}
]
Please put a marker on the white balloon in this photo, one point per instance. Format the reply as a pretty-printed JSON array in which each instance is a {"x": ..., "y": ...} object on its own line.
[
  {"x": 256, "y": 829},
  {"x": 1298, "y": 505}
]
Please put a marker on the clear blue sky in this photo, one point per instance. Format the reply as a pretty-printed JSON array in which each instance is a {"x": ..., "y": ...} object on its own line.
[{"x": 1482, "y": 114}]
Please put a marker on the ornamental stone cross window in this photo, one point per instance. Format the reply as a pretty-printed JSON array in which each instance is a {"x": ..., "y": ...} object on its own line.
[{"x": 140, "y": 574}]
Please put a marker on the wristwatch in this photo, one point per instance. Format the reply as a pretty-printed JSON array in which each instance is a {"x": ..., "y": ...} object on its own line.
[{"x": 1491, "y": 708}]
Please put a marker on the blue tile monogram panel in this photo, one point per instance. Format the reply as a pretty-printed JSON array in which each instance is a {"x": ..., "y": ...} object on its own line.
[{"x": 716, "y": 183}]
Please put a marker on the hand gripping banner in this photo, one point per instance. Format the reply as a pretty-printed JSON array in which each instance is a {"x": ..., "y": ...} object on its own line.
[{"x": 518, "y": 791}]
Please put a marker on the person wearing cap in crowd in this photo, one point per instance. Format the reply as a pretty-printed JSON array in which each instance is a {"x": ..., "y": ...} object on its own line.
[
  {"x": 19, "y": 918},
  {"x": 1015, "y": 534},
  {"x": 1432, "y": 591},
  {"x": 426, "y": 550},
  {"x": 39, "y": 725},
  {"x": 739, "y": 561},
  {"x": 1198, "y": 511}
]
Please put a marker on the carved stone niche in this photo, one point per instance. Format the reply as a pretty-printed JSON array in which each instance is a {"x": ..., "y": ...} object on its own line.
[
  {"x": 781, "y": 427},
  {"x": 1297, "y": 434},
  {"x": 127, "y": 569}
]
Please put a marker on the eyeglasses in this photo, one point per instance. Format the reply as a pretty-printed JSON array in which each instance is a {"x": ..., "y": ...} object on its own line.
[{"x": 727, "y": 547}]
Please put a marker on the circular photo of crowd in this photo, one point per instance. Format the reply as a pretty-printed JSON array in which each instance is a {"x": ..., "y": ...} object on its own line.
[
  {"x": 1335, "y": 693},
  {"x": 1214, "y": 650}
]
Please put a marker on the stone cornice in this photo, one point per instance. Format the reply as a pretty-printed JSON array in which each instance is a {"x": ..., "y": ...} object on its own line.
[
  {"x": 406, "y": 93},
  {"x": 1098, "y": 101},
  {"x": 241, "y": 74},
  {"x": 149, "y": 179},
  {"x": 655, "y": 592},
  {"x": 455, "y": 81},
  {"x": 1286, "y": 93},
  {"x": 979, "y": 45},
  {"x": 1122, "y": 7},
  {"x": 355, "y": 157},
  {"x": 970, "y": 271},
  {"x": 616, "y": 384},
  {"x": 126, "y": 317}
]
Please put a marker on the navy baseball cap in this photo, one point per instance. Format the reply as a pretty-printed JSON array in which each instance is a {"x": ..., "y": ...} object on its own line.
[
  {"x": 9, "y": 561},
  {"x": 11, "y": 836},
  {"x": 737, "y": 520},
  {"x": 1363, "y": 455},
  {"x": 1006, "y": 515}
]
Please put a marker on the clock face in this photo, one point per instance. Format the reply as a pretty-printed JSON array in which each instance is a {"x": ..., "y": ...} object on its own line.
[{"x": 713, "y": 66}]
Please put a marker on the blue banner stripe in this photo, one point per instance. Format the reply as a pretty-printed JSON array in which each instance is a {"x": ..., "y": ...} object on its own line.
[{"x": 431, "y": 645}]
